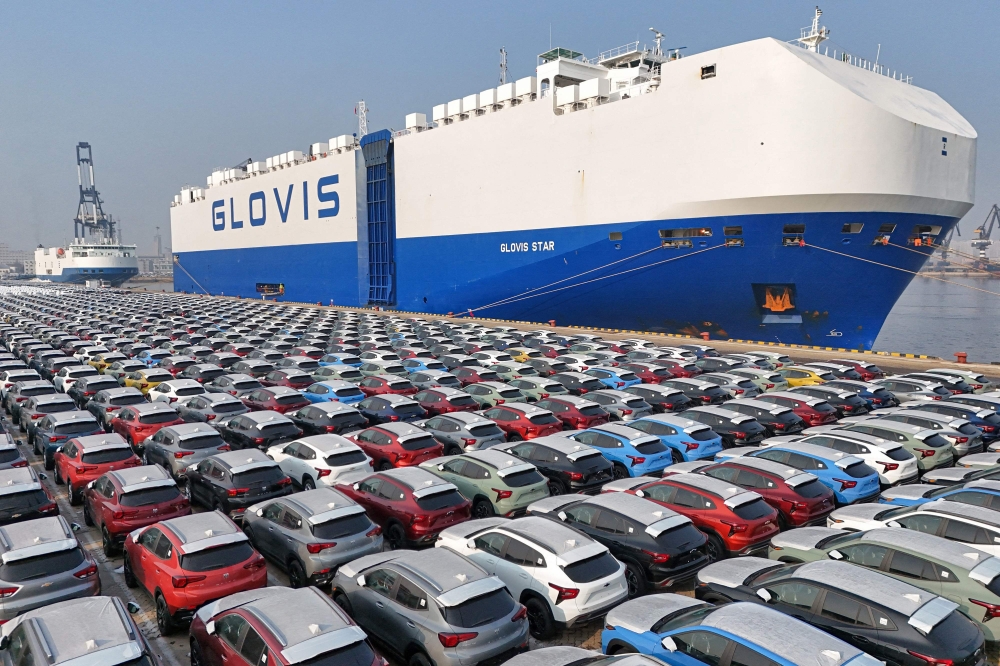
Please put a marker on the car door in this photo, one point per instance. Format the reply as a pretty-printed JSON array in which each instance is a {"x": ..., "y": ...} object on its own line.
[
  {"x": 489, "y": 549},
  {"x": 369, "y": 490},
  {"x": 229, "y": 631},
  {"x": 266, "y": 531},
  {"x": 289, "y": 461},
  {"x": 848, "y": 620},
  {"x": 982, "y": 538},
  {"x": 918, "y": 571},
  {"x": 144, "y": 557},
  {"x": 407, "y": 614},
  {"x": 514, "y": 565},
  {"x": 370, "y": 601},
  {"x": 698, "y": 648},
  {"x": 796, "y": 598}
]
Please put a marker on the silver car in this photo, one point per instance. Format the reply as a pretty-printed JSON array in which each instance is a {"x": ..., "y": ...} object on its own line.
[
  {"x": 310, "y": 534},
  {"x": 907, "y": 389},
  {"x": 177, "y": 447},
  {"x": 733, "y": 384},
  {"x": 236, "y": 385},
  {"x": 210, "y": 407},
  {"x": 620, "y": 405},
  {"x": 463, "y": 431},
  {"x": 43, "y": 563},
  {"x": 424, "y": 379},
  {"x": 454, "y": 611}
]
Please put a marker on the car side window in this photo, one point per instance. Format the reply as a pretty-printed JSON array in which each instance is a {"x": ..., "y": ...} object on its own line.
[
  {"x": 272, "y": 512},
  {"x": 382, "y": 581},
  {"x": 864, "y": 554},
  {"x": 409, "y": 595},
  {"x": 491, "y": 543},
  {"x": 748, "y": 479},
  {"x": 391, "y": 492},
  {"x": 661, "y": 493},
  {"x": 746, "y": 656},
  {"x": 230, "y": 629},
  {"x": 20, "y": 648},
  {"x": 924, "y": 522},
  {"x": 842, "y": 609},
  {"x": 148, "y": 539},
  {"x": 970, "y": 497},
  {"x": 610, "y": 523},
  {"x": 794, "y": 593},
  {"x": 164, "y": 548},
  {"x": 291, "y": 520},
  {"x": 911, "y": 566},
  {"x": 216, "y": 472},
  {"x": 305, "y": 453},
  {"x": 584, "y": 515},
  {"x": 521, "y": 554},
  {"x": 474, "y": 471},
  {"x": 725, "y": 473},
  {"x": 775, "y": 455},
  {"x": 370, "y": 486},
  {"x": 705, "y": 646}
]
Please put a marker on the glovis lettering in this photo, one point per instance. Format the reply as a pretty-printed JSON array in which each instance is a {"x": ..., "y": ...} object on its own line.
[
  {"x": 525, "y": 246},
  {"x": 285, "y": 201}
]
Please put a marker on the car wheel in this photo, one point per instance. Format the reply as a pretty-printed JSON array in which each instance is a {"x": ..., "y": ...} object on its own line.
[
  {"x": 540, "y": 622},
  {"x": 341, "y": 600},
  {"x": 50, "y": 464},
  {"x": 296, "y": 575},
  {"x": 676, "y": 456},
  {"x": 482, "y": 509},
  {"x": 127, "y": 574},
  {"x": 613, "y": 416},
  {"x": 87, "y": 519},
  {"x": 514, "y": 437},
  {"x": 58, "y": 478},
  {"x": 164, "y": 622},
  {"x": 196, "y": 658},
  {"x": 74, "y": 494},
  {"x": 453, "y": 451},
  {"x": 635, "y": 580},
  {"x": 108, "y": 544},
  {"x": 418, "y": 659},
  {"x": 619, "y": 471},
  {"x": 714, "y": 548},
  {"x": 308, "y": 483},
  {"x": 556, "y": 487},
  {"x": 395, "y": 536}
]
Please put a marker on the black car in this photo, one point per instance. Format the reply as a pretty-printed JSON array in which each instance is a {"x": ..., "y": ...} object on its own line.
[
  {"x": 233, "y": 480},
  {"x": 569, "y": 466},
  {"x": 880, "y": 396},
  {"x": 547, "y": 367},
  {"x": 201, "y": 372},
  {"x": 577, "y": 383},
  {"x": 663, "y": 399},
  {"x": 888, "y": 618},
  {"x": 845, "y": 402},
  {"x": 223, "y": 359},
  {"x": 85, "y": 388},
  {"x": 736, "y": 429},
  {"x": 236, "y": 384},
  {"x": 702, "y": 392},
  {"x": 953, "y": 384},
  {"x": 390, "y": 408},
  {"x": 777, "y": 420},
  {"x": 328, "y": 417},
  {"x": 658, "y": 547},
  {"x": 106, "y": 403},
  {"x": 258, "y": 430},
  {"x": 255, "y": 367},
  {"x": 22, "y": 496}
]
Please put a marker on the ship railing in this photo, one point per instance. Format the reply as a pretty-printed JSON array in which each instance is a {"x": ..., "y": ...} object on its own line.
[
  {"x": 631, "y": 47},
  {"x": 858, "y": 61}
]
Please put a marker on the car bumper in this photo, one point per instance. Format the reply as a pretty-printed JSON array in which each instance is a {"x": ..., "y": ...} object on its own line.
[
  {"x": 594, "y": 613},
  {"x": 88, "y": 588}
]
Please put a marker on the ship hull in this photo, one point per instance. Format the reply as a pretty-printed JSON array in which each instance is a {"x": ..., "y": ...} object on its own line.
[{"x": 113, "y": 276}]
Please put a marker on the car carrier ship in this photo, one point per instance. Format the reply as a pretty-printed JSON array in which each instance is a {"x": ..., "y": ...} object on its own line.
[{"x": 768, "y": 190}]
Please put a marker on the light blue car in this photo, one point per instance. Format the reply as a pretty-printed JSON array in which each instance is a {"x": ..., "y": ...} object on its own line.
[
  {"x": 334, "y": 391},
  {"x": 152, "y": 357},
  {"x": 689, "y": 440},
  {"x": 631, "y": 452},
  {"x": 984, "y": 492},
  {"x": 615, "y": 378}
]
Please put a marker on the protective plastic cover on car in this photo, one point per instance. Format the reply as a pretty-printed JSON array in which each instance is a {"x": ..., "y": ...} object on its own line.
[
  {"x": 643, "y": 613},
  {"x": 734, "y": 572}
]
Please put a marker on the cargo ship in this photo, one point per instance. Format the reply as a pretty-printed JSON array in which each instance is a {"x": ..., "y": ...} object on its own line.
[
  {"x": 767, "y": 190},
  {"x": 101, "y": 260}
]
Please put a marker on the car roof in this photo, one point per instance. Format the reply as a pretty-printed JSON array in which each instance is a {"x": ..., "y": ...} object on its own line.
[
  {"x": 466, "y": 418},
  {"x": 850, "y": 435},
  {"x": 244, "y": 459},
  {"x": 563, "y": 445},
  {"x": 151, "y": 407},
  {"x": 769, "y": 407},
  {"x": 732, "y": 495},
  {"x": 723, "y": 413},
  {"x": 557, "y": 538},
  {"x": 50, "y": 398},
  {"x": 984, "y": 484},
  {"x": 621, "y": 430},
  {"x": 329, "y": 443},
  {"x": 930, "y": 416},
  {"x": 186, "y": 430},
  {"x": 139, "y": 478},
  {"x": 31, "y": 538},
  {"x": 18, "y": 480},
  {"x": 501, "y": 461},
  {"x": 66, "y": 417},
  {"x": 101, "y": 442},
  {"x": 643, "y": 511},
  {"x": 400, "y": 429},
  {"x": 979, "y": 514},
  {"x": 814, "y": 450},
  {"x": 323, "y": 503},
  {"x": 120, "y": 391},
  {"x": 960, "y": 555},
  {"x": 266, "y": 415},
  {"x": 687, "y": 425},
  {"x": 780, "y": 470},
  {"x": 199, "y": 531},
  {"x": 417, "y": 479},
  {"x": 643, "y": 613},
  {"x": 867, "y": 584}
]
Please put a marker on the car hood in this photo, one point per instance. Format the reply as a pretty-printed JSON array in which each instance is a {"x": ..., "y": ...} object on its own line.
[
  {"x": 860, "y": 511},
  {"x": 946, "y": 475}
]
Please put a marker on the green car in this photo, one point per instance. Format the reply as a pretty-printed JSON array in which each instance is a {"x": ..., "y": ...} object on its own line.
[
  {"x": 538, "y": 388},
  {"x": 347, "y": 373},
  {"x": 513, "y": 370},
  {"x": 491, "y": 394},
  {"x": 956, "y": 571},
  {"x": 928, "y": 446},
  {"x": 496, "y": 482},
  {"x": 765, "y": 380}
]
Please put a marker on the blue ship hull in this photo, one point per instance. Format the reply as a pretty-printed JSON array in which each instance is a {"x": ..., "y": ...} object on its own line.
[
  {"x": 837, "y": 290},
  {"x": 115, "y": 276}
]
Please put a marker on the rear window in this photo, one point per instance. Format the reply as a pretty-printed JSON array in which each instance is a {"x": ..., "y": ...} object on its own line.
[
  {"x": 521, "y": 479},
  {"x": 480, "y": 610},
  {"x": 37, "y": 390},
  {"x": 76, "y": 428},
  {"x": 859, "y": 470},
  {"x": 408, "y": 408},
  {"x": 543, "y": 419},
  {"x": 682, "y": 534},
  {"x": 190, "y": 390},
  {"x": 257, "y": 477},
  {"x": 342, "y": 527},
  {"x": 701, "y": 435},
  {"x": 348, "y": 392},
  {"x": 278, "y": 429},
  {"x": 227, "y": 407},
  {"x": 199, "y": 442},
  {"x": 123, "y": 400},
  {"x": 288, "y": 399},
  {"x": 654, "y": 446},
  {"x": 158, "y": 417},
  {"x": 8, "y": 455},
  {"x": 149, "y": 496},
  {"x": 307, "y": 365},
  {"x": 753, "y": 510},
  {"x": 484, "y": 430},
  {"x": 441, "y": 500},
  {"x": 461, "y": 400},
  {"x": 299, "y": 380},
  {"x": 30, "y": 568},
  {"x": 219, "y": 557},
  {"x": 246, "y": 385},
  {"x": 592, "y": 568},
  {"x": 27, "y": 500},
  {"x": 344, "y": 419},
  {"x": 345, "y": 458},
  {"x": 55, "y": 407},
  {"x": 106, "y": 456},
  {"x": 592, "y": 410},
  {"x": 814, "y": 488},
  {"x": 936, "y": 441},
  {"x": 418, "y": 443},
  {"x": 899, "y": 454}
]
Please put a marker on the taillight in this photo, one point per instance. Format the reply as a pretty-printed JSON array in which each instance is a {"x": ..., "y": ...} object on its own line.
[
  {"x": 237, "y": 492},
  {"x": 56, "y": 438},
  {"x": 522, "y": 612},
  {"x": 657, "y": 558},
  {"x": 636, "y": 460},
  {"x": 183, "y": 454},
  {"x": 691, "y": 446},
  {"x": 961, "y": 440},
  {"x": 543, "y": 396},
  {"x": 575, "y": 476},
  {"x": 468, "y": 442},
  {"x": 319, "y": 547},
  {"x": 258, "y": 440},
  {"x": 932, "y": 660},
  {"x": 374, "y": 532},
  {"x": 735, "y": 527},
  {"x": 626, "y": 411},
  {"x": 20, "y": 463},
  {"x": 738, "y": 391},
  {"x": 845, "y": 484},
  {"x": 45, "y": 508},
  {"x": 925, "y": 453},
  {"x": 502, "y": 494},
  {"x": 396, "y": 418},
  {"x": 770, "y": 386},
  {"x": 8, "y": 592},
  {"x": 256, "y": 563},
  {"x": 86, "y": 468},
  {"x": 452, "y": 640},
  {"x": 87, "y": 572},
  {"x": 739, "y": 434},
  {"x": 224, "y": 447},
  {"x": 211, "y": 417},
  {"x": 184, "y": 581},
  {"x": 992, "y": 610},
  {"x": 889, "y": 466},
  {"x": 987, "y": 428},
  {"x": 322, "y": 472},
  {"x": 564, "y": 593}
]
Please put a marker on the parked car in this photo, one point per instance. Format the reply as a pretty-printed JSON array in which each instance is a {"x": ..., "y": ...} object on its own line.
[
  {"x": 177, "y": 447},
  {"x": 390, "y": 408},
  {"x": 54, "y": 430},
  {"x": 462, "y": 431},
  {"x": 570, "y": 467},
  {"x": 314, "y": 461},
  {"x": 521, "y": 421},
  {"x": 735, "y": 428},
  {"x": 230, "y": 482},
  {"x": 814, "y": 411},
  {"x": 895, "y": 465},
  {"x": 496, "y": 482},
  {"x": 259, "y": 430},
  {"x": 576, "y": 413},
  {"x": 234, "y": 384},
  {"x": 776, "y": 419},
  {"x": 210, "y": 407},
  {"x": 106, "y": 404},
  {"x": 631, "y": 452},
  {"x": 84, "y": 459},
  {"x": 930, "y": 448},
  {"x": 22, "y": 496},
  {"x": 397, "y": 445},
  {"x": 328, "y": 417},
  {"x": 686, "y": 439}
]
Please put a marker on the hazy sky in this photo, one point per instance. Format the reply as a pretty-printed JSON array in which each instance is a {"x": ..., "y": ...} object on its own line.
[{"x": 167, "y": 91}]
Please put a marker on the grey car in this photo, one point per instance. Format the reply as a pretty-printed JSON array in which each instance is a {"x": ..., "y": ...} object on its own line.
[
  {"x": 237, "y": 385},
  {"x": 211, "y": 407},
  {"x": 23, "y": 390},
  {"x": 491, "y": 394},
  {"x": 965, "y": 437},
  {"x": 337, "y": 372},
  {"x": 35, "y": 408},
  {"x": 177, "y": 447},
  {"x": 620, "y": 405},
  {"x": 310, "y": 534},
  {"x": 734, "y": 385},
  {"x": 463, "y": 431},
  {"x": 45, "y": 563},
  {"x": 424, "y": 602},
  {"x": 107, "y": 403},
  {"x": 907, "y": 389},
  {"x": 430, "y": 378}
]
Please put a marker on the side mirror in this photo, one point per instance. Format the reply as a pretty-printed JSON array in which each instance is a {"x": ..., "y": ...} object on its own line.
[
  {"x": 132, "y": 607},
  {"x": 639, "y": 493},
  {"x": 210, "y": 627},
  {"x": 562, "y": 515},
  {"x": 90, "y": 485},
  {"x": 471, "y": 544},
  {"x": 765, "y": 595},
  {"x": 440, "y": 468},
  {"x": 259, "y": 512},
  {"x": 668, "y": 644},
  {"x": 835, "y": 555},
  {"x": 893, "y": 523},
  {"x": 4, "y": 642},
  {"x": 361, "y": 580},
  {"x": 357, "y": 486}
]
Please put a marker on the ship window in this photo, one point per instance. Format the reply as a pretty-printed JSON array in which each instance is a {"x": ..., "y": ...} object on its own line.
[
  {"x": 852, "y": 228},
  {"x": 732, "y": 231},
  {"x": 708, "y": 72},
  {"x": 887, "y": 228},
  {"x": 794, "y": 229},
  {"x": 685, "y": 233},
  {"x": 925, "y": 230},
  {"x": 615, "y": 236}
]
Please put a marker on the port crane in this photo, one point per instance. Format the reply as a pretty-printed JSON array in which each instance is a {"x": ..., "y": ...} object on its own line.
[
  {"x": 982, "y": 239},
  {"x": 90, "y": 216}
]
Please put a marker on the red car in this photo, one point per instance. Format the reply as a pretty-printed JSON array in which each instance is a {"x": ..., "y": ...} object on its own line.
[
  {"x": 552, "y": 351},
  {"x": 413, "y": 352},
  {"x": 122, "y": 501},
  {"x": 576, "y": 413},
  {"x": 397, "y": 445},
  {"x": 239, "y": 348},
  {"x": 279, "y": 399},
  {"x": 83, "y": 459},
  {"x": 292, "y": 378},
  {"x": 442, "y": 400},
  {"x": 386, "y": 385},
  {"x": 411, "y": 505},
  {"x": 736, "y": 521},
  {"x": 137, "y": 422},
  {"x": 649, "y": 373},
  {"x": 174, "y": 364},
  {"x": 268, "y": 626},
  {"x": 522, "y": 421},
  {"x": 678, "y": 369},
  {"x": 186, "y": 562},
  {"x": 470, "y": 374},
  {"x": 814, "y": 411},
  {"x": 315, "y": 353},
  {"x": 868, "y": 371},
  {"x": 800, "y": 499}
]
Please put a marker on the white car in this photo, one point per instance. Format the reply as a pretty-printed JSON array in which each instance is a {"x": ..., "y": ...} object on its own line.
[
  {"x": 989, "y": 459},
  {"x": 542, "y": 563},
  {"x": 319, "y": 459},
  {"x": 578, "y": 362},
  {"x": 488, "y": 357},
  {"x": 891, "y": 460},
  {"x": 84, "y": 354},
  {"x": 10, "y": 377},
  {"x": 956, "y": 521},
  {"x": 176, "y": 391},
  {"x": 67, "y": 376}
]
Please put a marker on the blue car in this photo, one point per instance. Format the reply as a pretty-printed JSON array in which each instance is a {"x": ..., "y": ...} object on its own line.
[
  {"x": 54, "y": 430},
  {"x": 420, "y": 364},
  {"x": 152, "y": 357},
  {"x": 631, "y": 452},
  {"x": 849, "y": 477},
  {"x": 682, "y": 631},
  {"x": 615, "y": 378},
  {"x": 333, "y": 391},
  {"x": 341, "y": 358},
  {"x": 687, "y": 439},
  {"x": 876, "y": 396},
  {"x": 984, "y": 418},
  {"x": 984, "y": 492},
  {"x": 390, "y": 408}
]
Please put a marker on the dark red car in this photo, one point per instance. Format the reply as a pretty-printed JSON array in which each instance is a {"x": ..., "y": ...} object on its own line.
[
  {"x": 174, "y": 364},
  {"x": 523, "y": 421},
  {"x": 442, "y": 400},
  {"x": 411, "y": 505},
  {"x": 413, "y": 352},
  {"x": 800, "y": 498},
  {"x": 736, "y": 521},
  {"x": 397, "y": 445},
  {"x": 137, "y": 422},
  {"x": 315, "y": 353},
  {"x": 83, "y": 459},
  {"x": 125, "y": 500},
  {"x": 868, "y": 371},
  {"x": 279, "y": 399},
  {"x": 814, "y": 411},
  {"x": 678, "y": 369},
  {"x": 552, "y": 351},
  {"x": 386, "y": 385},
  {"x": 468, "y": 374},
  {"x": 238, "y": 348},
  {"x": 649, "y": 373},
  {"x": 292, "y": 378},
  {"x": 576, "y": 413}
]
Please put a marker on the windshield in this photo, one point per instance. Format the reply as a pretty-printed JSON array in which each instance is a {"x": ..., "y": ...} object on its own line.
[
  {"x": 219, "y": 557},
  {"x": 149, "y": 496},
  {"x": 39, "y": 566}
]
